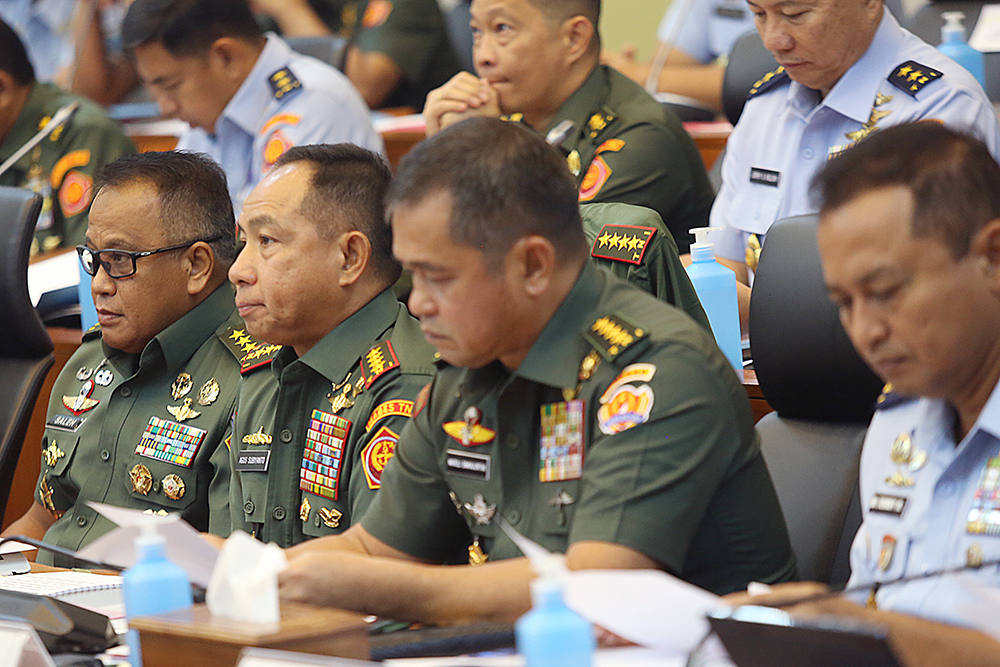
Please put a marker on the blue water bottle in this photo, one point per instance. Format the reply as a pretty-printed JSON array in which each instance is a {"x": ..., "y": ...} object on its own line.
[
  {"x": 716, "y": 288},
  {"x": 153, "y": 585},
  {"x": 954, "y": 46},
  {"x": 552, "y": 634}
]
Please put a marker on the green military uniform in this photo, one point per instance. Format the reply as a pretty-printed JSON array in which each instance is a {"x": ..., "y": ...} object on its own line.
[
  {"x": 143, "y": 431},
  {"x": 312, "y": 434},
  {"x": 411, "y": 32},
  {"x": 625, "y": 147},
  {"x": 62, "y": 166},
  {"x": 633, "y": 243},
  {"x": 624, "y": 423}
]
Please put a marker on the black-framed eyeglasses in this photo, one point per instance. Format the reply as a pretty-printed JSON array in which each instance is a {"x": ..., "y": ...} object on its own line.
[{"x": 121, "y": 263}]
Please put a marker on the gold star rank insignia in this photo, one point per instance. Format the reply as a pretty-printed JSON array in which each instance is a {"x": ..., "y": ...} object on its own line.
[
  {"x": 911, "y": 77},
  {"x": 622, "y": 243},
  {"x": 611, "y": 335}
]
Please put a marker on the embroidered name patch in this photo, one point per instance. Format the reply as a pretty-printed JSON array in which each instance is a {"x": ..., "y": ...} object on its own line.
[
  {"x": 324, "y": 453},
  {"x": 468, "y": 464},
  {"x": 764, "y": 177},
  {"x": 253, "y": 460},
  {"x": 65, "y": 423},
  {"x": 886, "y": 504},
  {"x": 171, "y": 442}
]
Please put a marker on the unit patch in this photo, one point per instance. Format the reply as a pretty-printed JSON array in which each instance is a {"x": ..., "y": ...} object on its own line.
[
  {"x": 597, "y": 175},
  {"x": 283, "y": 82},
  {"x": 611, "y": 146},
  {"x": 623, "y": 404},
  {"x": 169, "y": 441},
  {"x": 324, "y": 454},
  {"x": 561, "y": 453},
  {"x": 75, "y": 193},
  {"x": 377, "y": 361},
  {"x": 275, "y": 147},
  {"x": 280, "y": 119},
  {"x": 398, "y": 408},
  {"x": 911, "y": 77},
  {"x": 624, "y": 243},
  {"x": 376, "y": 455},
  {"x": 467, "y": 464},
  {"x": 72, "y": 160}
]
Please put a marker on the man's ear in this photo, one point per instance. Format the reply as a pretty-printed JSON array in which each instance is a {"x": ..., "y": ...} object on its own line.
[
  {"x": 356, "y": 252},
  {"x": 578, "y": 34},
  {"x": 225, "y": 57},
  {"x": 986, "y": 244},
  {"x": 199, "y": 263},
  {"x": 7, "y": 88},
  {"x": 532, "y": 260}
]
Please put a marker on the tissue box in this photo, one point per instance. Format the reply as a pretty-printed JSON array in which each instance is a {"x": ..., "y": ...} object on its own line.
[{"x": 194, "y": 638}]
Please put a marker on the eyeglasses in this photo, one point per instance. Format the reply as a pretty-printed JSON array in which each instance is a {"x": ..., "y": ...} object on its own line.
[{"x": 121, "y": 263}]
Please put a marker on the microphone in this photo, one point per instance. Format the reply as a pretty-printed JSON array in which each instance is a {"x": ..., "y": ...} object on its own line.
[{"x": 62, "y": 551}]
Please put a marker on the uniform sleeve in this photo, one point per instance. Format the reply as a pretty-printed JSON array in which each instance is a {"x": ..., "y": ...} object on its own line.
[
  {"x": 219, "y": 517},
  {"x": 729, "y": 242},
  {"x": 693, "y": 36},
  {"x": 647, "y": 487},
  {"x": 410, "y": 35},
  {"x": 413, "y": 511}
]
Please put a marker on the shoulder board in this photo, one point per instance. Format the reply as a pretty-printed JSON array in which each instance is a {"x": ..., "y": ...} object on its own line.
[
  {"x": 513, "y": 118},
  {"x": 768, "y": 81},
  {"x": 611, "y": 335},
  {"x": 249, "y": 352},
  {"x": 599, "y": 121},
  {"x": 378, "y": 361},
  {"x": 911, "y": 77},
  {"x": 92, "y": 333},
  {"x": 623, "y": 243},
  {"x": 283, "y": 83},
  {"x": 890, "y": 399}
]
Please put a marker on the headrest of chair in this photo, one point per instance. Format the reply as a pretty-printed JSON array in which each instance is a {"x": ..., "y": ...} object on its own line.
[
  {"x": 748, "y": 62},
  {"x": 23, "y": 334},
  {"x": 806, "y": 365},
  {"x": 328, "y": 48}
]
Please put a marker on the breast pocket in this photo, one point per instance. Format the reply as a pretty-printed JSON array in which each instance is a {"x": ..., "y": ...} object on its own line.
[
  {"x": 887, "y": 551},
  {"x": 167, "y": 486},
  {"x": 58, "y": 450},
  {"x": 557, "y": 507},
  {"x": 755, "y": 209}
]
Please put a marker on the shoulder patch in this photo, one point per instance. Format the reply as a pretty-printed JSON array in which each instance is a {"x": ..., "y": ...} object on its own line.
[
  {"x": 611, "y": 145},
  {"x": 280, "y": 119},
  {"x": 597, "y": 175},
  {"x": 911, "y": 77},
  {"x": 378, "y": 361},
  {"x": 624, "y": 243},
  {"x": 611, "y": 335},
  {"x": 75, "y": 193},
  {"x": 768, "y": 81},
  {"x": 421, "y": 400},
  {"x": 92, "y": 333},
  {"x": 275, "y": 147},
  {"x": 890, "y": 399},
  {"x": 249, "y": 352},
  {"x": 283, "y": 82},
  {"x": 72, "y": 160}
]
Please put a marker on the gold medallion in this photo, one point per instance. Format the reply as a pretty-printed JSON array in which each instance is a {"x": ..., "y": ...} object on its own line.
[
  {"x": 304, "y": 509},
  {"x": 330, "y": 517},
  {"x": 902, "y": 449},
  {"x": 142, "y": 479},
  {"x": 974, "y": 555},
  {"x": 173, "y": 487},
  {"x": 476, "y": 554},
  {"x": 258, "y": 438},
  {"x": 573, "y": 162},
  {"x": 208, "y": 392},
  {"x": 183, "y": 412},
  {"x": 181, "y": 386},
  {"x": 53, "y": 454}
]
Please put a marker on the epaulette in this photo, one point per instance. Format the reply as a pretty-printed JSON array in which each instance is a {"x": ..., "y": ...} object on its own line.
[
  {"x": 600, "y": 120},
  {"x": 92, "y": 333},
  {"x": 911, "y": 77},
  {"x": 768, "y": 81},
  {"x": 283, "y": 83},
  {"x": 249, "y": 352},
  {"x": 513, "y": 118},
  {"x": 611, "y": 335},
  {"x": 890, "y": 399},
  {"x": 378, "y": 361},
  {"x": 622, "y": 243}
]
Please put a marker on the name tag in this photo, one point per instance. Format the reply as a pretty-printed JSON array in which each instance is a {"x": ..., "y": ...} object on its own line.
[
  {"x": 468, "y": 464},
  {"x": 729, "y": 13},
  {"x": 764, "y": 177},
  {"x": 65, "y": 423},
  {"x": 886, "y": 504},
  {"x": 253, "y": 460}
]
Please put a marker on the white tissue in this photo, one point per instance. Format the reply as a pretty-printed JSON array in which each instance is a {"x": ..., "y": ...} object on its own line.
[{"x": 244, "y": 584}]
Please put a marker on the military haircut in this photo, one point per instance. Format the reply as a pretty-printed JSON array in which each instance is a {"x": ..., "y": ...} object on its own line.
[
  {"x": 954, "y": 181},
  {"x": 505, "y": 183},
  {"x": 560, "y": 10},
  {"x": 14, "y": 58},
  {"x": 194, "y": 199},
  {"x": 188, "y": 28},
  {"x": 347, "y": 192}
]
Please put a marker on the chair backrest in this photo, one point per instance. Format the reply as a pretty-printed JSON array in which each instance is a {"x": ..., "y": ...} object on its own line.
[
  {"x": 748, "y": 62},
  {"x": 456, "y": 21},
  {"x": 926, "y": 24},
  {"x": 328, "y": 48},
  {"x": 25, "y": 346},
  {"x": 822, "y": 393}
]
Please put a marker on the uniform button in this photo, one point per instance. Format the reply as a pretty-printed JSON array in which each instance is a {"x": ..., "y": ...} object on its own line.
[
  {"x": 808, "y": 153},
  {"x": 285, "y": 435},
  {"x": 105, "y": 455},
  {"x": 513, "y": 516},
  {"x": 278, "y": 513},
  {"x": 156, "y": 487},
  {"x": 125, "y": 391},
  {"x": 248, "y": 507},
  {"x": 316, "y": 520},
  {"x": 81, "y": 521},
  {"x": 925, "y": 568},
  {"x": 513, "y": 441},
  {"x": 946, "y": 489}
]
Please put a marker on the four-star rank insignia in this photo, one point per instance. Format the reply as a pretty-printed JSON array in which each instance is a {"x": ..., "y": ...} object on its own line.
[
  {"x": 377, "y": 361},
  {"x": 250, "y": 352},
  {"x": 623, "y": 243},
  {"x": 611, "y": 335},
  {"x": 283, "y": 82},
  {"x": 911, "y": 77}
]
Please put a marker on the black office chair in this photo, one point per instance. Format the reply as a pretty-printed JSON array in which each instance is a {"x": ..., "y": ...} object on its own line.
[
  {"x": 926, "y": 24},
  {"x": 748, "y": 62},
  {"x": 823, "y": 396},
  {"x": 25, "y": 346},
  {"x": 328, "y": 48},
  {"x": 456, "y": 21}
]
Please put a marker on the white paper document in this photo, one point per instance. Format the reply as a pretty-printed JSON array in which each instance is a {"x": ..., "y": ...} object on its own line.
[{"x": 986, "y": 35}]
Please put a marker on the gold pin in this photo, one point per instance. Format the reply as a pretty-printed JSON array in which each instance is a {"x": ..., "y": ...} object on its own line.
[
  {"x": 974, "y": 555},
  {"x": 918, "y": 460},
  {"x": 183, "y": 412},
  {"x": 573, "y": 161},
  {"x": 208, "y": 393},
  {"x": 173, "y": 487},
  {"x": 330, "y": 517},
  {"x": 142, "y": 479},
  {"x": 53, "y": 454},
  {"x": 902, "y": 449},
  {"x": 181, "y": 386},
  {"x": 304, "y": 509},
  {"x": 476, "y": 554},
  {"x": 45, "y": 491},
  {"x": 899, "y": 479},
  {"x": 887, "y": 552},
  {"x": 258, "y": 438}
]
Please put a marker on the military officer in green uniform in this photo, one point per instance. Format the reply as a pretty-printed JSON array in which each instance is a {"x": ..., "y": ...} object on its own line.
[
  {"x": 633, "y": 243},
  {"x": 331, "y": 360},
  {"x": 138, "y": 416},
  {"x": 592, "y": 417},
  {"x": 397, "y": 52},
  {"x": 62, "y": 165},
  {"x": 537, "y": 62}
]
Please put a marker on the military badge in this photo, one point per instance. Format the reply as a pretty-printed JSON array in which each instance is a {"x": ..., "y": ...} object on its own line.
[
  {"x": 181, "y": 386},
  {"x": 52, "y": 454},
  {"x": 142, "y": 479},
  {"x": 281, "y": 119},
  {"x": 75, "y": 193},
  {"x": 768, "y": 81},
  {"x": 322, "y": 459},
  {"x": 470, "y": 432},
  {"x": 560, "y": 501},
  {"x": 573, "y": 162},
  {"x": 257, "y": 438},
  {"x": 476, "y": 554},
  {"x": 376, "y": 455},
  {"x": 480, "y": 511},
  {"x": 378, "y": 361},
  {"x": 611, "y": 146},
  {"x": 887, "y": 552},
  {"x": 83, "y": 373},
  {"x": 173, "y": 487},
  {"x": 251, "y": 353},
  {"x": 421, "y": 401},
  {"x": 183, "y": 412},
  {"x": 625, "y": 405},
  {"x": 45, "y": 495},
  {"x": 597, "y": 175},
  {"x": 209, "y": 392},
  {"x": 398, "y": 408},
  {"x": 622, "y": 243},
  {"x": 561, "y": 452},
  {"x": 170, "y": 442},
  {"x": 82, "y": 402},
  {"x": 104, "y": 377},
  {"x": 304, "y": 510},
  {"x": 911, "y": 77},
  {"x": 611, "y": 335},
  {"x": 275, "y": 147},
  {"x": 330, "y": 517},
  {"x": 72, "y": 160},
  {"x": 974, "y": 556}
]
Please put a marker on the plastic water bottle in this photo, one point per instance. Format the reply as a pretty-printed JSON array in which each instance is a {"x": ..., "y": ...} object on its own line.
[
  {"x": 552, "y": 634},
  {"x": 954, "y": 46},
  {"x": 716, "y": 288},
  {"x": 153, "y": 585}
]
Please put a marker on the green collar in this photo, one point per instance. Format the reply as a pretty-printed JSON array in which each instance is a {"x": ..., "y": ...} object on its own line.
[{"x": 582, "y": 104}]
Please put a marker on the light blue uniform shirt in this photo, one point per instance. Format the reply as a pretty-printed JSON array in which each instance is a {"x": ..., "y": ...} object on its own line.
[
  {"x": 910, "y": 530},
  {"x": 709, "y": 29},
  {"x": 786, "y": 133},
  {"x": 260, "y": 123}
]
